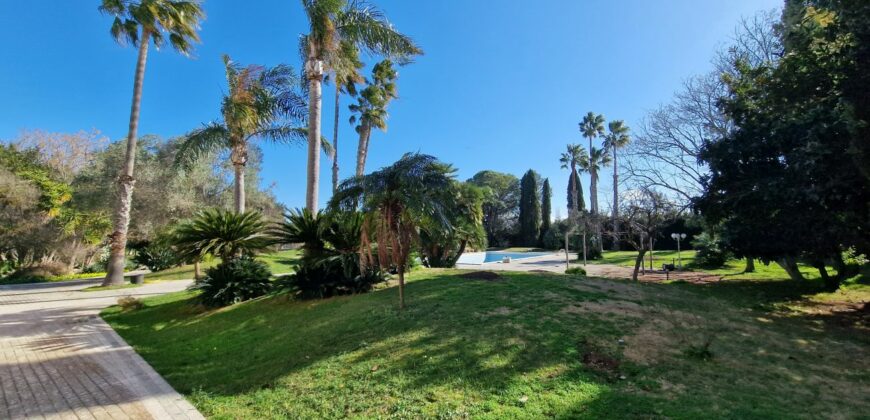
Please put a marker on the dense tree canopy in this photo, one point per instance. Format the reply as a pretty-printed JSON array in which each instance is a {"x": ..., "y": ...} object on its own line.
[
  {"x": 530, "y": 209},
  {"x": 500, "y": 205}
]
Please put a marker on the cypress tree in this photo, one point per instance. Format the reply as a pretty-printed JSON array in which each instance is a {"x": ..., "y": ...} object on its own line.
[
  {"x": 574, "y": 179},
  {"x": 546, "y": 209},
  {"x": 530, "y": 209}
]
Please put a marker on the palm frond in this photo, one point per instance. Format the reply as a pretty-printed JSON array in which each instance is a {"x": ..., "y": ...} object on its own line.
[
  {"x": 367, "y": 27},
  {"x": 201, "y": 142}
]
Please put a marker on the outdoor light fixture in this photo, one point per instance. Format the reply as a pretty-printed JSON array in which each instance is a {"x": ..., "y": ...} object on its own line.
[{"x": 679, "y": 237}]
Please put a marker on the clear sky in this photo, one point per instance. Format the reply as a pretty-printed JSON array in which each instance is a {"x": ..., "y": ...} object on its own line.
[{"x": 502, "y": 85}]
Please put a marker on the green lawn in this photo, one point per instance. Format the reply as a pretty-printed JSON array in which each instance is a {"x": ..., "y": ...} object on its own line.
[
  {"x": 279, "y": 262},
  {"x": 115, "y": 287},
  {"x": 529, "y": 345},
  {"x": 733, "y": 269}
]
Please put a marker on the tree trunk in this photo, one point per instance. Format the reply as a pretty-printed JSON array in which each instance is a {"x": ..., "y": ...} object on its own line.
[
  {"x": 118, "y": 239},
  {"x": 239, "y": 187},
  {"x": 402, "y": 286},
  {"x": 615, "y": 213},
  {"x": 335, "y": 138},
  {"x": 831, "y": 283},
  {"x": 314, "y": 70},
  {"x": 651, "y": 268},
  {"x": 750, "y": 265},
  {"x": 790, "y": 266},
  {"x": 362, "y": 149},
  {"x": 593, "y": 190},
  {"x": 638, "y": 262},
  {"x": 197, "y": 274},
  {"x": 462, "y": 245}
]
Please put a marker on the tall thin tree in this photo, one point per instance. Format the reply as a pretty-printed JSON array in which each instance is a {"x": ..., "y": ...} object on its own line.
[
  {"x": 345, "y": 76},
  {"x": 139, "y": 23},
  {"x": 571, "y": 159},
  {"x": 370, "y": 111},
  {"x": 616, "y": 138},
  {"x": 546, "y": 208},
  {"x": 331, "y": 23},
  {"x": 598, "y": 158},
  {"x": 592, "y": 126}
]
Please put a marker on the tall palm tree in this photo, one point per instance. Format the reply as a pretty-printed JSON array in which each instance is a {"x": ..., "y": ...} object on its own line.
[
  {"x": 261, "y": 104},
  {"x": 570, "y": 159},
  {"x": 598, "y": 158},
  {"x": 591, "y": 127},
  {"x": 140, "y": 23},
  {"x": 616, "y": 138},
  {"x": 331, "y": 23},
  {"x": 395, "y": 202},
  {"x": 345, "y": 76},
  {"x": 371, "y": 108}
]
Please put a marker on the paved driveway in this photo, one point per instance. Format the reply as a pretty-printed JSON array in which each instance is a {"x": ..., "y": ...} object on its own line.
[{"x": 59, "y": 359}]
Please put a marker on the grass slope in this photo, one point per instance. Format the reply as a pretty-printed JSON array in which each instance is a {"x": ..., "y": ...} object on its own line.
[{"x": 529, "y": 345}]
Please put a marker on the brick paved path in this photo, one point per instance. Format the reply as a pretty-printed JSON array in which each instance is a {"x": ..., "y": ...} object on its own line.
[{"x": 59, "y": 359}]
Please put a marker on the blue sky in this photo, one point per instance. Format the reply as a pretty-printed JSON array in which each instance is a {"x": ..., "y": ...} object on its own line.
[{"x": 500, "y": 87}]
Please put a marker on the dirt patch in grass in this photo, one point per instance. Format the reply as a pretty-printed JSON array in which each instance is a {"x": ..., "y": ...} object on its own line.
[
  {"x": 481, "y": 275},
  {"x": 600, "y": 362},
  {"x": 651, "y": 342},
  {"x": 842, "y": 314},
  {"x": 607, "y": 307},
  {"x": 621, "y": 289},
  {"x": 500, "y": 311}
]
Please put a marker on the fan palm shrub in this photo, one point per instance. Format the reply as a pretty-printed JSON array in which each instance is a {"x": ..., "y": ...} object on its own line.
[
  {"x": 330, "y": 263},
  {"x": 395, "y": 202},
  {"x": 236, "y": 238}
]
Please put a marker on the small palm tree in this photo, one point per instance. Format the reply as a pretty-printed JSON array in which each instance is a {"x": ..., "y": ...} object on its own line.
[
  {"x": 140, "y": 23},
  {"x": 570, "y": 159},
  {"x": 395, "y": 202},
  {"x": 616, "y": 139},
  {"x": 371, "y": 108},
  {"x": 332, "y": 23},
  {"x": 223, "y": 233},
  {"x": 259, "y": 104}
]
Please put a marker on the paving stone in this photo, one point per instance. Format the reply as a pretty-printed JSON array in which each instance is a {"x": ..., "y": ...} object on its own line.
[{"x": 60, "y": 360}]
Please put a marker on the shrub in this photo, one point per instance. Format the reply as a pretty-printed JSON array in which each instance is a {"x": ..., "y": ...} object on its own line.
[
  {"x": 37, "y": 273},
  {"x": 156, "y": 256},
  {"x": 709, "y": 251},
  {"x": 328, "y": 277},
  {"x": 129, "y": 303},
  {"x": 576, "y": 271},
  {"x": 234, "y": 281}
]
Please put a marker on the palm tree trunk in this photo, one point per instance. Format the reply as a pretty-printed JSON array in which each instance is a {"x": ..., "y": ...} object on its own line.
[
  {"x": 335, "y": 138},
  {"x": 239, "y": 187},
  {"x": 314, "y": 70},
  {"x": 118, "y": 239},
  {"x": 615, "y": 213},
  {"x": 197, "y": 274},
  {"x": 402, "y": 286},
  {"x": 362, "y": 149}
]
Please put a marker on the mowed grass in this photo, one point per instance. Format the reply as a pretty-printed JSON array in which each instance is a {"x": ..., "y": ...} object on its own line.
[
  {"x": 526, "y": 346},
  {"x": 280, "y": 262},
  {"x": 733, "y": 269}
]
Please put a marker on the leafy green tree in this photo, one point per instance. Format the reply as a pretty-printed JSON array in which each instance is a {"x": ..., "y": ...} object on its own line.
[
  {"x": 395, "y": 202},
  {"x": 333, "y": 26},
  {"x": 571, "y": 159},
  {"x": 443, "y": 247},
  {"x": 257, "y": 106},
  {"x": 500, "y": 205},
  {"x": 616, "y": 138},
  {"x": 785, "y": 184},
  {"x": 370, "y": 111},
  {"x": 530, "y": 209},
  {"x": 140, "y": 23},
  {"x": 546, "y": 208}
]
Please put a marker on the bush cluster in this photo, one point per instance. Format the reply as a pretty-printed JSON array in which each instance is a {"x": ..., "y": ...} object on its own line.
[{"x": 234, "y": 281}]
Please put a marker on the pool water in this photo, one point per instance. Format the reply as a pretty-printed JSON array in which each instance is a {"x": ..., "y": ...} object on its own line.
[{"x": 496, "y": 256}]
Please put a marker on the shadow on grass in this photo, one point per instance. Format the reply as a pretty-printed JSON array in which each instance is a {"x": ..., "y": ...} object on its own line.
[{"x": 508, "y": 342}]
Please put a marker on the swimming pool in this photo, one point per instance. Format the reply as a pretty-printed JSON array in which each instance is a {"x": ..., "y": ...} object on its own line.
[{"x": 496, "y": 256}]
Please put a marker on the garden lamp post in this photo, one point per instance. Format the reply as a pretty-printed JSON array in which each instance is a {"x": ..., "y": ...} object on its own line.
[{"x": 679, "y": 237}]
